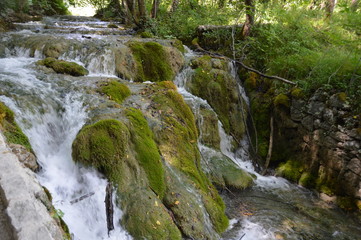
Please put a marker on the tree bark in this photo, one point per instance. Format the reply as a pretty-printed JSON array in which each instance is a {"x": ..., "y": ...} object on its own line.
[
  {"x": 250, "y": 11},
  {"x": 142, "y": 11},
  {"x": 109, "y": 207},
  {"x": 354, "y": 5},
  {"x": 155, "y": 8},
  {"x": 330, "y": 6},
  {"x": 175, "y": 4}
]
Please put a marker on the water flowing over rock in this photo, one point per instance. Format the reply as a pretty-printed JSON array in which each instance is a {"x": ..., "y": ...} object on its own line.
[{"x": 177, "y": 154}]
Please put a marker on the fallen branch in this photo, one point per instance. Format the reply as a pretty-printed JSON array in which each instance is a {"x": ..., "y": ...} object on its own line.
[
  {"x": 109, "y": 207},
  {"x": 199, "y": 48}
]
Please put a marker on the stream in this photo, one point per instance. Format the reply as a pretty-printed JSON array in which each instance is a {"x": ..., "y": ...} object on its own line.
[{"x": 51, "y": 109}]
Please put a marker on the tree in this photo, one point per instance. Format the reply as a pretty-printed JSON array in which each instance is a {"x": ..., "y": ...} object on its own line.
[
  {"x": 354, "y": 5},
  {"x": 330, "y": 6},
  {"x": 155, "y": 8},
  {"x": 250, "y": 11}
]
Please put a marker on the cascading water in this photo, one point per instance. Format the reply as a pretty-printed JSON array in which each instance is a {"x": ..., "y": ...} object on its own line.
[
  {"x": 273, "y": 208},
  {"x": 50, "y": 110}
]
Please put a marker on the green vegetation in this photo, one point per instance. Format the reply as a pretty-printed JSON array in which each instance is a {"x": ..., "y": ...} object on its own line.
[
  {"x": 152, "y": 62},
  {"x": 177, "y": 142},
  {"x": 45, "y": 7},
  {"x": 61, "y": 66},
  {"x": 102, "y": 145},
  {"x": 116, "y": 91},
  {"x": 211, "y": 81},
  {"x": 10, "y": 129},
  {"x": 147, "y": 151}
]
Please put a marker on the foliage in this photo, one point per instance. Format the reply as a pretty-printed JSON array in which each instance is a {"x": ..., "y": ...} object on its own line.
[
  {"x": 298, "y": 44},
  {"x": 46, "y": 7}
]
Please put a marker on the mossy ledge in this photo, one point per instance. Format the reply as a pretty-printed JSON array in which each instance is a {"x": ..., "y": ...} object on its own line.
[
  {"x": 115, "y": 91},
  {"x": 65, "y": 67},
  {"x": 10, "y": 128},
  {"x": 154, "y": 62}
]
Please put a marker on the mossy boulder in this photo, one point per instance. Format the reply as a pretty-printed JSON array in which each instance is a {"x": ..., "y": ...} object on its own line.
[
  {"x": 10, "y": 128},
  {"x": 109, "y": 146},
  {"x": 208, "y": 128},
  {"x": 155, "y": 62},
  {"x": 65, "y": 67},
  {"x": 223, "y": 172},
  {"x": 115, "y": 91},
  {"x": 213, "y": 82},
  {"x": 177, "y": 142},
  {"x": 292, "y": 170}
]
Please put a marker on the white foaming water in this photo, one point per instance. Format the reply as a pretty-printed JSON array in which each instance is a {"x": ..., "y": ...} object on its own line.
[{"x": 51, "y": 120}]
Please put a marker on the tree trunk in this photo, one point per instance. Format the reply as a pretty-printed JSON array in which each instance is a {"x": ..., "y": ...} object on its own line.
[
  {"x": 354, "y": 5},
  {"x": 142, "y": 13},
  {"x": 155, "y": 8},
  {"x": 330, "y": 6},
  {"x": 109, "y": 207},
  {"x": 250, "y": 10},
  {"x": 175, "y": 4}
]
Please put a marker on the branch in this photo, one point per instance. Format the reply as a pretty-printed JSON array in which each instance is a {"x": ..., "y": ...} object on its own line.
[
  {"x": 199, "y": 48},
  {"x": 270, "y": 145}
]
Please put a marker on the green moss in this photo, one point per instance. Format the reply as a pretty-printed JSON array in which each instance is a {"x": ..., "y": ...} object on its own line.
[
  {"x": 102, "y": 145},
  {"x": 307, "y": 180},
  {"x": 152, "y": 63},
  {"x": 11, "y": 130},
  {"x": 282, "y": 100},
  {"x": 167, "y": 84},
  {"x": 146, "y": 34},
  {"x": 219, "y": 88},
  {"x": 347, "y": 203},
  {"x": 60, "y": 66},
  {"x": 342, "y": 96},
  {"x": 146, "y": 218},
  {"x": 177, "y": 142},
  {"x": 291, "y": 170},
  {"x": 251, "y": 81},
  {"x": 297, "y": 93},
  {"x": 178, "y": 45},
  {"x": 147, "y": 151},
  {"x": 112, "y": 25},
  {"x": 116, "y": 91},
  {"x": 204, "y": 62}
]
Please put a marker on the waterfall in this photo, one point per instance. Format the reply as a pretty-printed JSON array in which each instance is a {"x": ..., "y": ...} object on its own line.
[{"x": 51, "y": 112}]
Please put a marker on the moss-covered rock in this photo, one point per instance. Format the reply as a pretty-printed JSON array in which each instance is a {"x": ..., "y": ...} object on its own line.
[
  {"x": 291, "y": 169},
  {"x": 109, "y": 146},
  {"x": 10, "y": 128},
  {"x": 282, "y": 100},
  {"x": 208, "y": 128},
  {"x": 223, "y": 172},
  {"x": 146, "y": 150},
  {"x": 115, "y": 90},
  {"x": 155, "y": 62},
  {"x": 60, "y": 66},
  {"x": 219, "y": 88},
  {"x": 177, "y": 142}
]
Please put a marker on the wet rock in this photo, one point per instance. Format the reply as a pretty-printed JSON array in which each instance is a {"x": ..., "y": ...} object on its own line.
[
  {"x": 25, "y": 157},
  {"x": 27, "y": 203},
  {"x": 65, "y": 67}
]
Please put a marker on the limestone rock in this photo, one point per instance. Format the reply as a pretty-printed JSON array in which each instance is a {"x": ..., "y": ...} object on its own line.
[
  {"x": 25, "y": 200},
  {"x": 25, "y": 157}
]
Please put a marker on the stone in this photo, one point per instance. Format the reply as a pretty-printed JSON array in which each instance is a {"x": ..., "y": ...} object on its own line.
[
  {"x": 307, "y": 122},
  {"x": 316, "y": 109},
  {"x": 24, "y": 197},
  {"x": 27, "y": 158}
]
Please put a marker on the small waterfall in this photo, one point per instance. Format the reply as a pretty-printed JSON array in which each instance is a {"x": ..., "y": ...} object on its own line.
[{"x": 51, "y": 113}]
